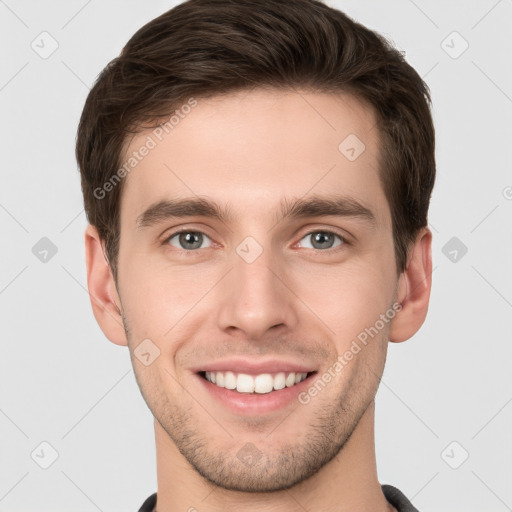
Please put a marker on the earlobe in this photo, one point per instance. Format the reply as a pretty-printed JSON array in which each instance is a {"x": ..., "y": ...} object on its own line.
[
  {"x": 102, "y": 290},
  {"x": 414, "y": 289}
]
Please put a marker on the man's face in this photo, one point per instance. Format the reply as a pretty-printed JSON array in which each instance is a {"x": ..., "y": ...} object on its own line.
[{"x": 255, "y": 293}]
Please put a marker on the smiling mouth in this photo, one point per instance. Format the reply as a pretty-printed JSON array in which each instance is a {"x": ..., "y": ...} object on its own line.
[{"x": 255, "y": 384}]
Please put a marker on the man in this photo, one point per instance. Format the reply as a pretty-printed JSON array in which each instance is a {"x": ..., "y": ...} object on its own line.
[{"x": 257, "y": 175}]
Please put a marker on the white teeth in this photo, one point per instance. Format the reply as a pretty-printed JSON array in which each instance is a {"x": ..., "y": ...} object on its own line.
[
  {"x": 263, "y": 383},
  {"x": 245, "y": 383},
  {"x": 229, "y": 380},
  {"x": 279, "y": 381}
]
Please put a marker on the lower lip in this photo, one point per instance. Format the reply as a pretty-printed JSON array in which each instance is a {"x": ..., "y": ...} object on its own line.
[{"x": 257, "y": 403}]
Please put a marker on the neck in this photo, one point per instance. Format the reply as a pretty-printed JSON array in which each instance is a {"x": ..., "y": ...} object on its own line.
[{"x": 348, "y": 482}]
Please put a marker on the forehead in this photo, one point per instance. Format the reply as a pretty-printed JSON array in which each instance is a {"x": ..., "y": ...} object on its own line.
[{"x": 254, "y": 148}]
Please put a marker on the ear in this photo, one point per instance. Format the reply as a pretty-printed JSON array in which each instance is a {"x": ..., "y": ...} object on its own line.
[
  {"x": 105, "y": 301},
  {"x": 414, "y": 289}
]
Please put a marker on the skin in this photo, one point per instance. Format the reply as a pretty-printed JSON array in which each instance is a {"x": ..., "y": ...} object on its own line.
[{"x": 249, "y": 150}]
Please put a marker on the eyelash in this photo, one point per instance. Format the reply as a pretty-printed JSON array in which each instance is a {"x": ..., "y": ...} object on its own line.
[{"x": 343, "y": 239}]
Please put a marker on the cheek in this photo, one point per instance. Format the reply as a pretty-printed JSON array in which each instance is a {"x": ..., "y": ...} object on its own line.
[
  {"x": 158, "y": 299},
  {"x": 347, "y": 299}
]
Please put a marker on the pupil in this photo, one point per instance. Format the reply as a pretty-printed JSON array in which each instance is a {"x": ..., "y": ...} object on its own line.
[
  {"x": 191, "y": 238},
  {"x": 321, "y": 238}
]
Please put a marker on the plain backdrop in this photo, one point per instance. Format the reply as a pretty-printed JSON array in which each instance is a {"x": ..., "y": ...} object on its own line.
[{"x": 444, "y": 407}]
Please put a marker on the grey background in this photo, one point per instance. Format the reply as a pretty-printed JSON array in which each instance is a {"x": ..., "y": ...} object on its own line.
[{"x": 446, "y": 394}]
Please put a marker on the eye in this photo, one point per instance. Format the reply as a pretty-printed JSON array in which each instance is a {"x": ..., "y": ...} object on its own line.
[
  {"x": 188, "y": 240},
  {"x": 323, "y": 239}
]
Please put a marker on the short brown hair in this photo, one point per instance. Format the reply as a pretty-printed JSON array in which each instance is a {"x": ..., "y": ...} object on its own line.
[{"x": 203, "y": 48}]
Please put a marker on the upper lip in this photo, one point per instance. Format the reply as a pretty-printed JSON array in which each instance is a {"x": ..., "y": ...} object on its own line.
[{"x": 251, "y": 366}]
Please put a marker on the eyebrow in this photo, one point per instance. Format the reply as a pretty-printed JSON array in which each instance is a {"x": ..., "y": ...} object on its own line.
[{"x": 316, "y": 206}]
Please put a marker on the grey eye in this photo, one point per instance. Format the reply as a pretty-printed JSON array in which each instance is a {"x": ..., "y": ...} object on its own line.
[
  {"x": 322, "y": 240},
  {"x": 188, "y": 240}
]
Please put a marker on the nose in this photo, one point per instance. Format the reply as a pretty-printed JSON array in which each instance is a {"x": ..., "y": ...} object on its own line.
[{"x": 255, "y": 298}]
